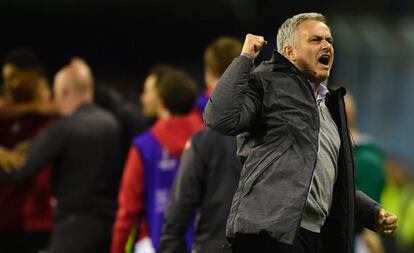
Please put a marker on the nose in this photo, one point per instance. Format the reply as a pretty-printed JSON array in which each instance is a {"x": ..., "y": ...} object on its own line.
[{"x": 326, "y": 45}]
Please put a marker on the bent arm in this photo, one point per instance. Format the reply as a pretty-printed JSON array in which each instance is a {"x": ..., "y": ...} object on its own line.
[
  {"x": 366, "y": 210},
  {"x": 44, "y": 108},
  {"x": 236, "y": 100}
]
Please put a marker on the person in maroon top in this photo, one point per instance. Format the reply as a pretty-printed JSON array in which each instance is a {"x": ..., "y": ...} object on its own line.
[{"x": 25, "y": 208}]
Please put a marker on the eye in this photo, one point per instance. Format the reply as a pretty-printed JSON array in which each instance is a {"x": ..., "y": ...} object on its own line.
[{"x": 315, "y": 40}]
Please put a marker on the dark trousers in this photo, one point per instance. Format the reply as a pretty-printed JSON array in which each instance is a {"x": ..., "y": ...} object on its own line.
[
  {"x": 305, "y": 242},
  {"x": 81, "y": 234}
]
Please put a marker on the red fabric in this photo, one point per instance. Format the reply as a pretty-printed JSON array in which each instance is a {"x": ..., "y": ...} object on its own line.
[
  {"x": 25, "y": 206},
  {"x": 38, "y": 209},
  {"x": 209, "y": 91},
  {"x": 130, "y": 200},
  {"x": 196, "y": 111},
  {"x": 172, "y": 134}
]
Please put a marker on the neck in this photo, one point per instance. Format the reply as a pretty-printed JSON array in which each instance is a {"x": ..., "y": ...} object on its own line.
[
  {"x": 315, "y": 87},
  {"x": 73, "y": 105},
  {"x": 210, "y": 79},
  {"x": 212, "y": 83},
  {"x": 164, "y": 114},
  {"x": 316, "y": 90}
]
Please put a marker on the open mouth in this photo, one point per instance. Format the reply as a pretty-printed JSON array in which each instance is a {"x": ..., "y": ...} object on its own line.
[{"x": 324, "y": 59}]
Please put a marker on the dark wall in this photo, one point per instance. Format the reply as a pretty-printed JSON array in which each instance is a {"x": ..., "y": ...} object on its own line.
[
  {"x": 116, "y": 39},
  {"x": 121, "y": 39}
]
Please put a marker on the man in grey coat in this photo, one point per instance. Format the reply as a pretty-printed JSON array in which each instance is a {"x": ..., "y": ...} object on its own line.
[{"x": 296, "y": 191}]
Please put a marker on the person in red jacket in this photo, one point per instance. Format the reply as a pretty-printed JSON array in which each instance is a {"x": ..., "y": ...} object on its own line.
[{"x": 153, "y": 158}]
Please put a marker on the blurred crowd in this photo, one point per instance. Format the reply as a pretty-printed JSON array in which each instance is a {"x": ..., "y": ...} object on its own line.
[{"x": 82, "y": 169}]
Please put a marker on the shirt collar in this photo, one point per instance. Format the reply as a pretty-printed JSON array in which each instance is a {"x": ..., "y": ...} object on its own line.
[{"x": 323, "y": 91}]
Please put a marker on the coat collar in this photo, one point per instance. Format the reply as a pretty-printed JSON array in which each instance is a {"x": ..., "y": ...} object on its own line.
[{"x": 281, "y": 63}]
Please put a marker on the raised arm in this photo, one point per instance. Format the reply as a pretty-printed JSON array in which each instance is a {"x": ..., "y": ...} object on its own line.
[{"x": 236, "y": 100}]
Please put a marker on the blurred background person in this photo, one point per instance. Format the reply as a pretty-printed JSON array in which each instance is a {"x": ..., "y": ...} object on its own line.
[
  {"x": 217, "y": 56},
  {"x": 207, "y": 179},
  {"x": 209, "y": 171},
  {"x": 84, "y": 147},
  {"x": 153, "y": 159},
  {"x": 370, "y": 162},
  {"x": 32, "y": 97},
  {"x": 129, "y": 116},
  {"x": 130, "y": 119},
  {"x": 398, "y": 196},
  {"x": 20, "y": 61},
  {"x": 26, "y": 207}
]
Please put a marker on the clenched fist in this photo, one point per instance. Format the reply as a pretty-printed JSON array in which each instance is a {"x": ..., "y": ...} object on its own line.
[
  {"x": 253, "y": 44},
  {"x": 386, "y": 222}
]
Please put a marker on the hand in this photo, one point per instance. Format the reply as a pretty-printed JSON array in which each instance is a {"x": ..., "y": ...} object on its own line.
[
  {"x": 10, "y": 160},
  {"x": 372, "y": 241},
  {"x": 253, "y": 45},
  {"x": 386, "y": 222}
]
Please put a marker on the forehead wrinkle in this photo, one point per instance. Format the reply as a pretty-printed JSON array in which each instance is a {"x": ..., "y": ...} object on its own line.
[{"x": 316, "y": 28}]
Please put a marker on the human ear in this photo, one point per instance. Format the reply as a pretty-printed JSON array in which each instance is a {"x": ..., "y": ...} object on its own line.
[{"x": 289, "y": 53}]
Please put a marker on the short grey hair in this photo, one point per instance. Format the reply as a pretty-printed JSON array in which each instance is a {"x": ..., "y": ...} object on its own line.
[{"x": 286, "y": 35}]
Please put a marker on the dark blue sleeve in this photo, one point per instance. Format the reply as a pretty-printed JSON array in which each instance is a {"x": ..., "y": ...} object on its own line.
[{"x": 366, "y": 210}]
